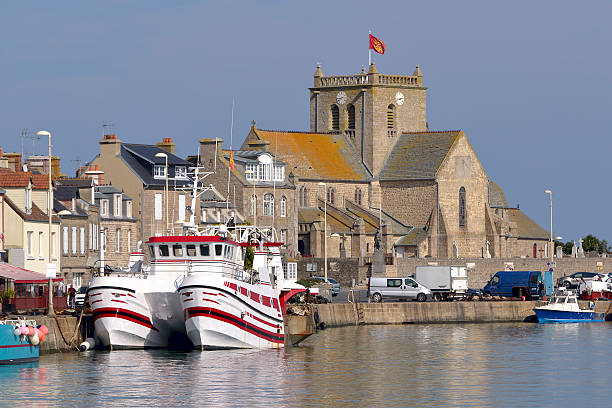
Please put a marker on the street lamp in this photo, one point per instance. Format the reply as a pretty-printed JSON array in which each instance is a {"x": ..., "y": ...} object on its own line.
[
  {"x": 165, "y": 156},
  {"x": 325, "y": 231},
  {"x": 551, "y": 231},
  {"x": 51, "y": 311}
]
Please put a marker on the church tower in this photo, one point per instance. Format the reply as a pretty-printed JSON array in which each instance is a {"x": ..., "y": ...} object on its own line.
[{"x": 371, "y": 109}]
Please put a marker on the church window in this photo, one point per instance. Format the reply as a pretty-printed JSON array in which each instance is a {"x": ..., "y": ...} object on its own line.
[
  {"x": 268, "y": 205},
  {"x": 351, "y": 116},
  {"x": 335, "y": 118},
  {"x": 358, "y": 196},
  {"x": 330, "y": 195},
  {"x": 253, "y": 204},
  {"x": 303, "y": 197},
  {"x": 462, "y": 207},
  {"x": 391, "y": 117}
]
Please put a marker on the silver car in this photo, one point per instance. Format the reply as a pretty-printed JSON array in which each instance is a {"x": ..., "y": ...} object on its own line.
[
  {"x": 397, "y": 288},
  {"x": 573, "y": 280},
  {"x": 335, "y": 284}
]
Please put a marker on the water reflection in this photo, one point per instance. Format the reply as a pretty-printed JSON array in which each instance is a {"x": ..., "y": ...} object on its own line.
[{"x": 477, "y": 365}]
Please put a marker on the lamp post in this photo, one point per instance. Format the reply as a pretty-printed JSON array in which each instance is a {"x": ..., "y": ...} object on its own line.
[
  {"x": 165, "y": 156},
  {"x": 253, "y": 199},
  {"x": 551, "y": 231},
  {"x": 325, "y": 230},
  {"x": 51, "y": 311}
]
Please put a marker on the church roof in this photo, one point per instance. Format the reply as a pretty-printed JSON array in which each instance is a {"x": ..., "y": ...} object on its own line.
[
  {"x": 324, "y": 156},
  {"x": 414, "y": 237},
  {"x": 527, "y": 228},
  {"x": 497, "y": 198},
  {"x": 418, "y": 155}
]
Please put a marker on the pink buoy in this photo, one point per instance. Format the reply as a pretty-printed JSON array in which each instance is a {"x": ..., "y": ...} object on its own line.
[
  {"x": 23, "y": 330},
  {"x": 44, "y": 329},
  {"x": 31, "y": 331},
  {"x": 41, "y": 336}
]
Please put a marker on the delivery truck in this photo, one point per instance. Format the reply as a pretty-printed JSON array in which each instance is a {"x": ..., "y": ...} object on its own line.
[{"x": 445, "y": 282}]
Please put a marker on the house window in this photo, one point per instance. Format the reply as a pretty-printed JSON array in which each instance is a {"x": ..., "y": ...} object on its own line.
[
  {"x": 283, "y": 206},
  {"x": 253, "y": 208},
  {"x": 40, "y": 245},
  {"x": 117, "y": 240},
  {"x": 358, "y": 196},
  {"x": 158, "y": 206},
  {"x": 279, "y": 172},
  {"x": 74, "y": 240},
  {"x": 118, "y": 205},
  {"x": 30, "y": 243},
  {"x": 159, "y": 171},
  {"x": 268, "y": 205},
  {"x": 331, "y": 195},
  {"x": 129, "y": 240},
  {"x": 391, "y": 117},
  {"x": 90, "y": 236},
  {"x": 28, "y": 200},
  {"x": 283, "y": 237},
  {"x": 250, "y": 172},
  {"x": 335, "y": 118},
  {"x": 65, "y": 240},
  {"x": 82, "y": 241},
  {"x": 180, "y": 172},
  {"x": 53, "y": 245},
  {"x": 462, "y": 207},
  {"x": 128, "y": 209},
  {"x": 104, "y": 204},
  {"x": 351, "y": 116}
]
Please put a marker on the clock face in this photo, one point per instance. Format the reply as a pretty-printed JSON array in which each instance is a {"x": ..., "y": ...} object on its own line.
[
  {"x": 399, "y": 98},
  {"x": 341, "y": 98}
]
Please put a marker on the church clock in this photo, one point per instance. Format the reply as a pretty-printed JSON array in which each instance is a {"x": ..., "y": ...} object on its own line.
[{"x": 341, "y": 98}]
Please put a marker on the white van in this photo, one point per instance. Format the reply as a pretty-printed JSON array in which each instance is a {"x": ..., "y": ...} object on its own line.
[{"x": 397, "y": 288}]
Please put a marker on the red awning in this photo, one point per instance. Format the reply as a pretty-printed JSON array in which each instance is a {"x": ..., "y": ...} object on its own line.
[{"x": 20, "y": 275}]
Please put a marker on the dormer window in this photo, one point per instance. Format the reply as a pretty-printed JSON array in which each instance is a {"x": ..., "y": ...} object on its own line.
[
  {"x": 159, "y": 171},
  {"x": 279, "y": 173},
  {"x": 180, "y": 172},
  {"x": 118, "y": 205},
  {"x": 104, "y": 208}
]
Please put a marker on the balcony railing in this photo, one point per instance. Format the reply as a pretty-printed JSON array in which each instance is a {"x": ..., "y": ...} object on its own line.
[{"x": 350, "y": 133}]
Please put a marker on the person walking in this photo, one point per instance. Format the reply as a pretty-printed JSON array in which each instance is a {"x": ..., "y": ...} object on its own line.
[{"x": 71, "y": 297}]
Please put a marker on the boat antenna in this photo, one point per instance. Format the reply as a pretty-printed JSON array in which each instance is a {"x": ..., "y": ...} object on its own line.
[{"x": 229, "y": 168}]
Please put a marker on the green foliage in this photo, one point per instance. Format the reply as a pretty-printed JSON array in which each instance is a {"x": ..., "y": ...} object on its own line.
[
  {"x": 567, "y": 247},
  {"x": 248, "y": 258},
  {"x": 7, "y": 295},
  {"x": 591, "y": 243},
  {"x": 308, "y": 282}
]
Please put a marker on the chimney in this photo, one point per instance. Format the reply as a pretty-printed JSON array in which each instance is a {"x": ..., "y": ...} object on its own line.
[
  {"x": 14, "y": 160},
  {"x": 208, "y": 147},
  {"x": 110, "y": 146},
  {"x": 95, "y": 174},
  {"x": 167, "y": 144}
]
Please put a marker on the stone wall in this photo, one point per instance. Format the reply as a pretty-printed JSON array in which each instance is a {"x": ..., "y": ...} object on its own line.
[
  {"x": 344, "y": 270},
  {"x": 485, "y": 268}
]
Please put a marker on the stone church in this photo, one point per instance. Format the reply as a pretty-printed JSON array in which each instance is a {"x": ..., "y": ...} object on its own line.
[{"x": 370, "y": 162}]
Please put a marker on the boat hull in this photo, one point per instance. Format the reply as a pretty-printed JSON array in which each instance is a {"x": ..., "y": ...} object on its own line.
[
  {"x": 564, "y": 316},
  {"x": 221, "y": 313},
  {"x": 15, "y": 349}
]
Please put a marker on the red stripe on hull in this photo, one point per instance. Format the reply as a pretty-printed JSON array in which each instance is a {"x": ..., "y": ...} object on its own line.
[{"x": 124, "y": 314}]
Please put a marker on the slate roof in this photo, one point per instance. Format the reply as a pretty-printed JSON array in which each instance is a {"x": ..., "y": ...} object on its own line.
[
  {"x": 148, "y": 152},
  {"x": 527, "y": 228},
  {"x": 141, "y": 158},
  {"x": 75, "y": 182},
  {"x": 418, "y": 155},
  {"x": 323, "y": 156},
  {"x": 64, "y": 193},
  {"x": 497, "y": 198},
  {"x": 414, "y": 237},
  {"x": 371, "y": 217}
]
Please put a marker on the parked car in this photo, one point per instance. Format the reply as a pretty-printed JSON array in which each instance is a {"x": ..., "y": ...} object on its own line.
[
  {"x": 335, "y": 284},
  {"x": 573, "y": 281},
  {"x": 79, "y": 298},
  {"x": 397, "y": 288},
  {"x": 515, "y": 283}
]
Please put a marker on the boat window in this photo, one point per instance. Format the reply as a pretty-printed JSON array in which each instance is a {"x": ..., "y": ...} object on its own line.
[
  {"x": 163, "y": 250},
  {"x": 204, "y": 250},
  {"x": 152, "y": 251},
  {"x": 394, "y": 283},
  {"x": 191, "y": 250},
  {"x": 177, "y": 250},
  {"x": 218, "y": 249},
  {"x": 571, "y": 300}
]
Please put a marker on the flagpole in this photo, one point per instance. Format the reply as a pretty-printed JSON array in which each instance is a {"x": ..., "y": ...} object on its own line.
[
  {"x": 229, "y": 169},
  {"x": 369, "y": 50}
]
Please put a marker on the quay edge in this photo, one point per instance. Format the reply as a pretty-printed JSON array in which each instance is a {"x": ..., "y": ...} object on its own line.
[{"x": 336, "y": 315}]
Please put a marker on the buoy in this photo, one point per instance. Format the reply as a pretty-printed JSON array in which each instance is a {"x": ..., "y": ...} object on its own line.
[
  {"x": 23, "y": 330},
  {"x": 523, "y": 298},
  {"x": 34, "y": 340},
  {"x": 88, "y": 344},
  {"x": 41, "y": 336},
  {"x": 544, "y": 298},
  {"x": 31, "y": 331},
  {"x": 44, "y": 329}
]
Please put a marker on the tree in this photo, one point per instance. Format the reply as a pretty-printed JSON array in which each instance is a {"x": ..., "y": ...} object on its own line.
[
  {"x": 248, "y": 258},
  {"x": 591, "y": 243}
]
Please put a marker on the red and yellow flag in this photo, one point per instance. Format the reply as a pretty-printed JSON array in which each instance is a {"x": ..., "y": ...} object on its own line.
[
  {"x": 377, "y": 45},
  {"x": 231, "y": 161}
]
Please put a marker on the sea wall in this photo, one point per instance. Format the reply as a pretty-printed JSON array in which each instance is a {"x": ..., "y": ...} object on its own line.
[
  {"x": 335, "y": 315},
  {"x": 61, "y": 331}
]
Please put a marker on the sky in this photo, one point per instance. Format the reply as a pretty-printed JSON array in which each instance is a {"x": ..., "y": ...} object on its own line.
[{"x": 528, "y": 81}]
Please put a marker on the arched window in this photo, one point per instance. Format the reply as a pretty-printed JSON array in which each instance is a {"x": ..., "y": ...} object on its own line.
[
  {"x": 358, "y": 196},
  {"x": 351, "y": 116},
  {"x": 391, "y": 117},
  {"x": 335, "y": 118},
  {"x": 283, "y": 206},
  {"x": 253, "y": 204},
  {"x": 268, "y": 205},
  {"x": 330, "y": 195},
  {"x": 303, "y": 197},
  {"x": 462, "y": 207}
]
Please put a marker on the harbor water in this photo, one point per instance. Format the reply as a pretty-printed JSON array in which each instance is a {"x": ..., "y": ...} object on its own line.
[{"x": 459, "y": 365}]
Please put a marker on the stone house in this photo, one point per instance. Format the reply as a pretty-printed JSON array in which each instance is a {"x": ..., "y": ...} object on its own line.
[
  {"x": 138, "y": 171},
  {"x": 370, "y": 148}
]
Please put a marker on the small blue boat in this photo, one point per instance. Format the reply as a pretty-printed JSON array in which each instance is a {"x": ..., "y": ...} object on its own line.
[
  {"x": 16, "y": 349},
  {"x": 563, "y": 307}
]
